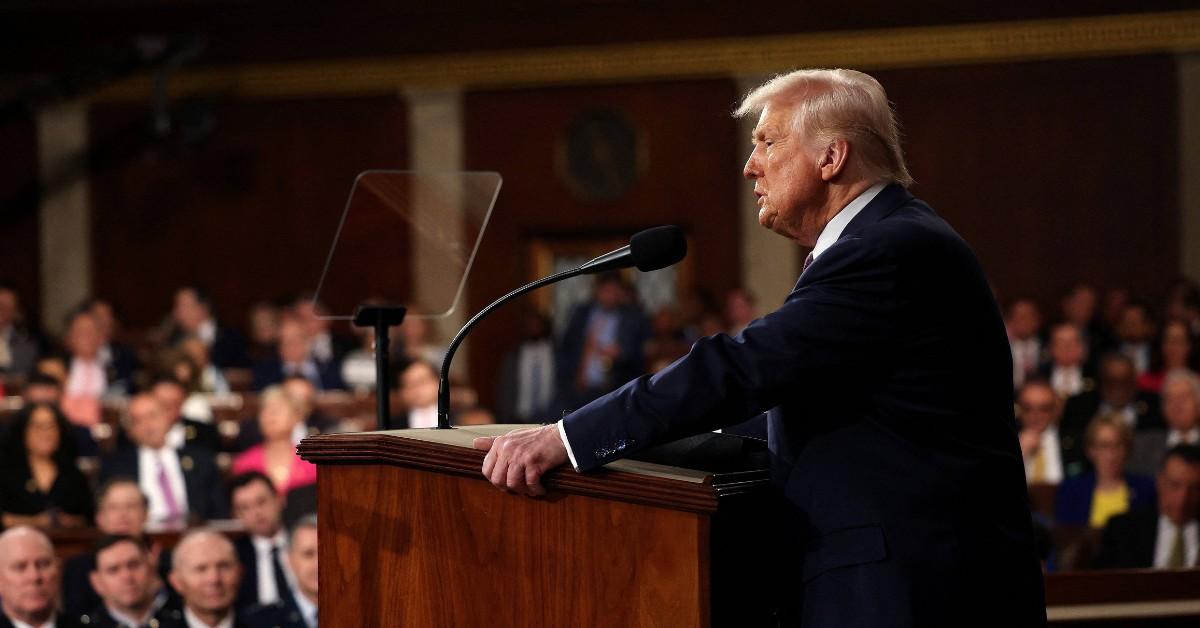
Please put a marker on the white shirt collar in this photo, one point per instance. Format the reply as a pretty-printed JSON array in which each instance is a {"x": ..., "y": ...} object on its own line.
[
  {"x": 195, "y": 622},
  {"x": 1174, "y": 437},
  {"x": 20, "y": 624},
  {"x": 207, "y": 331},
  {"x": 125, "y": 620},
  {"x": 1166, "y": 537},
  {"x": 264, "y": 544},
  {"x": 308, "y": 610},
  {"x": 837, "y": 225}
]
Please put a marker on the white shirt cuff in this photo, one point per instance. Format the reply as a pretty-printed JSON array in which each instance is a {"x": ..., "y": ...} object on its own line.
[{"x": 562, "y": 433}]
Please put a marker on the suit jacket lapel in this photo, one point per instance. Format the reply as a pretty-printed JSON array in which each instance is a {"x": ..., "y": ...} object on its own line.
[{"x": 884, "y": 203}]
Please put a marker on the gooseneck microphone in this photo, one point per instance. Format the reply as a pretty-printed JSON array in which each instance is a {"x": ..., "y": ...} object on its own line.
[{"x": 647, "y": 250}]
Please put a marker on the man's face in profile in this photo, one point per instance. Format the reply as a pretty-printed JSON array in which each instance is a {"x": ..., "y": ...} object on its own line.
[
  {"x": 1179, "y": 490},
  {"x": 787, "y": 176}
]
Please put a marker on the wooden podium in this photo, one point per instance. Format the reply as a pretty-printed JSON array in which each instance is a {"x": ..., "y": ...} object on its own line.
[{"x": 412, "y": 534}]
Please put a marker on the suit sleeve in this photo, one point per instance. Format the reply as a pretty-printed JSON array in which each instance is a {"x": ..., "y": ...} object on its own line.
[{"x": 841, "y": 318}]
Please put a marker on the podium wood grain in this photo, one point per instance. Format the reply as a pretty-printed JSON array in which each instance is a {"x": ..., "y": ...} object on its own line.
[{"x": 413, "y": 535}]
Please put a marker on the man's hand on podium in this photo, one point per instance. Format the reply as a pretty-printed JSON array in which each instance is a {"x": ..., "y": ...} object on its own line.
[{"x": 516, "y": 461}]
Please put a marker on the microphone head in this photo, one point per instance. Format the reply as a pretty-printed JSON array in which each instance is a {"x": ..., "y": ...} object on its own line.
[{"x": 657, "y": 247}]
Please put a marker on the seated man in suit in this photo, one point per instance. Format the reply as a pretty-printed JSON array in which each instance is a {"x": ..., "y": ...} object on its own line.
[
  {"x": 120, "y": 361},
  {"x": 87, "y": 378},
  {"x": 299, "y": 610},
  {"x": 1162, "y": 538},
  {"x": 1023, "y": 323},
  {"x": 419, "y": 390},
  {"x": 131, "y": 593},
  {"x": 206, "y": 574},
  {"x": 184, "y": 430},
  {"x": 295, "y": 358},
  {"x": 1135, "y": 331},
  {"x": 1068, "y": 370},
  {"x": 18, "y": 348},
  {"x": 1118, "y": 395},
  {"x": 259, "y": 508},
  {"x": 29, "y": 580},
  {"x": 1181, "y": 412},
  {"x": 193, "y": 316},
  {"x": 180, "y": 483},
  {"x": 1038, "y": 412},
  {"x": 121, "y": 510}
]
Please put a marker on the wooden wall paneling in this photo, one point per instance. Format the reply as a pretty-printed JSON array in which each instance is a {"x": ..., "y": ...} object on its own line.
[
  {"x": 690, "y": 179},
  {"x": 20, "y": 262},
  {"x": 248, "y": 213},
  {"x": 1053, "y": 171}
]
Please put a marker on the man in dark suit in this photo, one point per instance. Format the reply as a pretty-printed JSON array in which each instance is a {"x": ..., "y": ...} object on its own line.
[
  {"x": 262, "y": 550},
  {"x": 602, "y": 346},
  {"x": 193, "y": 316},
  {"x": 180, "y": 483},
  {"x": 1117, "y": 394},
  {"x": 131, "y": 593},
  {"x": 206, "y": 573},
  {"x": 1166, "y": 538},
  {"x": 295, "y": 358},
  {"x": 886, "y": 374},
  {"x": 299, "y": 610},
  {"x": 29, "y": 579}
]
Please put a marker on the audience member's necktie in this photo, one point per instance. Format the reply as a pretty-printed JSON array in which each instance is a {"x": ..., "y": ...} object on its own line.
[
  {"x": 1176, "y": 560},
  {"x": 1039, "y": 466},
  {"x": 168, "y": 493}
]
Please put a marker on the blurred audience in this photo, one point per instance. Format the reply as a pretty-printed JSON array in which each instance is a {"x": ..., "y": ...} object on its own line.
[
  {"x": 206, "y": 574},
  {"x": 259, "y": 508},
  {"x": 1038, "y": 413},
  {"x": 1023, "y": 321},
  {"x": 299, "y": 608},
  {"x": 667, "y": 341},
  {"x": 1091, "y": 498},
  {"x": 419, "y": 391},
  {"x": 326, "y": 348},
  {"x": 181, "y": 483},
  {"x": 295, "y": 357},
  {"x": 19, "y": 348},
  {"x": 1135, "y": 330},
  {"x": 474, "y": 415},
  {"x": 264, "y": 330},
  {"x": 120, "y": 362},
  {"x": 41, "y": 388},
  {"x": 1068, "y": 370},
  {"x": 211, "y": 379},
  {"x": 1078, "y": 306},
  {"x": 40, "y": 484},
  {"x": 184, "y": 430},
  {"x": 131, "y": 593},
  {"x": 1162, "y": 538},
  {"x": 1174, "y": 352},
  {"x": 740, "y": 309},
  {"x": 1181, "y": 411},
  {"x": 87, "y": 379},
  {"x": 525, "y": 383},
  {"x": 1117, "y": 395},
  {"x": 281, "y": 422},
  {"x": 121, "y": 509},
  {"x": 29, "y": 580},
  {"x": 192, "y": 315},
  {"x": 602, "y": 346}
]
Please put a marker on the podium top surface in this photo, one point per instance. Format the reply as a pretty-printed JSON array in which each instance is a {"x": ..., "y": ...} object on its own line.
[{"x": 690, "y": 474}]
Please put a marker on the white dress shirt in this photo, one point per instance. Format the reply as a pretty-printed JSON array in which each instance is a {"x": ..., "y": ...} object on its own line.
[
  {"x": 86, "y": 379},
  {"x": 1051, "y": 454},
  {"x": 1066, "y": 380},
  {"x": 1166, "y": 538},
  {"x": 1175, "y": 437},
  {"x": 829, "y": 235},
  {"x": 20, "y": 624},
  {"x": 195, "y": 622},
  {"x": 423, "y": 417},
  {"x": 148, "y": 481},
  {"x": 1025, "y": 354},
  {"x": 207, "y": 332},
  {"x": 308, "y": 610},
  {"x": 268, "y": 589}
]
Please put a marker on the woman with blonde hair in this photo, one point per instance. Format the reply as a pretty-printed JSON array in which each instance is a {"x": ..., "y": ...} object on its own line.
[
  {"x": 1108, "y": 489},
  {"x": 279, "y": 418}
]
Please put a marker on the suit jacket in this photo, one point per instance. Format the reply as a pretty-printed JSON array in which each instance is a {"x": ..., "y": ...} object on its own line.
[
  {"x": 79, "y": 597},
  {"x": 1128, "y": 541},
  {"x": 201, "y": 478},
  {"x": 1073, "y": 500},
  {"x": 196, "y": 433},
  {"x": 1082, "y": 408},
  {"x": 174, "y": 618},
  {"x": 888, "y": 380},
  {"x": 631, "y": 335},
  {"x": 228, "y": 349},
  {"x": 248, "y": 588},
  {"x": 1149, "y": 449},
  {"x": 24, "y": 350},
  {"x": 280, "y": 614},
  {"x": 61, "y": 621},
  {"x": 270, "y": 372}
]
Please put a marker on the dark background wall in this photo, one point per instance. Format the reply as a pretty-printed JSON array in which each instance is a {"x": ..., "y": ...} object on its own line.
[
  {"x": 248, "y": 212},
  {"x": 20, "y": 264}
]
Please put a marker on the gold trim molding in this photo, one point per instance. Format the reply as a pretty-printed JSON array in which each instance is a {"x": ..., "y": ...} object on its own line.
[{"x": 1171, "y": 32}]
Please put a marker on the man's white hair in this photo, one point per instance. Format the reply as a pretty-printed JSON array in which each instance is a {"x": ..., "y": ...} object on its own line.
[
  {"x": 1187, "y": 376},
  {"x": 845, "y": 104}
]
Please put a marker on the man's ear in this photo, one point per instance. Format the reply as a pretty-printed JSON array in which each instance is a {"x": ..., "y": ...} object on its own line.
[{"x": 834, "y": 158}]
